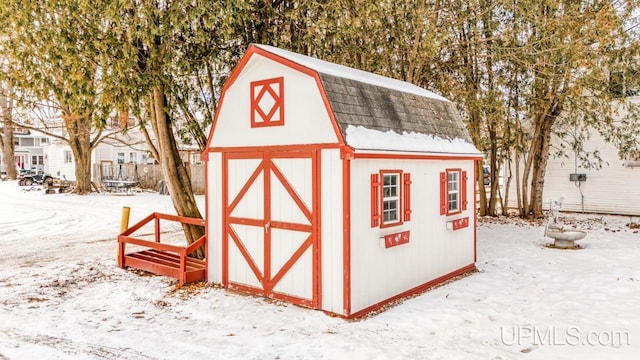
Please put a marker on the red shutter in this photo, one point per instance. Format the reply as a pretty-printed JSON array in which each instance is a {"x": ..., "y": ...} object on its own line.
[
  {"x": 407, "y": 197},
  {"x": 463, "y": 191},
  {"x": 375, "y": 200},
  {"x": 443, "y": 193}
]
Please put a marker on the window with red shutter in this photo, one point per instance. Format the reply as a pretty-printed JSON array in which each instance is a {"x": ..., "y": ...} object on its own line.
[
  {"x": 453, "y": 191},
  {"x": 390, "y": 198}
]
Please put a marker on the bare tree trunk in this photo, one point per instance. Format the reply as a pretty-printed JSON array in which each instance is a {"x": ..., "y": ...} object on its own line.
[
  {"x": 174, "y": 170},
  {"x": 6, "y": 105},
  {"x": 507, "y": 185},
  {"x": 540, "y": 166},
  {"x": 534, "y": 154},
  {"x": 482, "y": 193},
  {"x": 493, "y": 172},
  {"x": 536, "y": 164},
  {"x": 79, "y": 130},
  {"x": 519, "y": 184}
]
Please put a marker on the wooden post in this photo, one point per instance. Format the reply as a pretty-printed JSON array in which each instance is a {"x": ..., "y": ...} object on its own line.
[
  {"x": 124, "y": 221},
  {"x": 124, "y": 225}
]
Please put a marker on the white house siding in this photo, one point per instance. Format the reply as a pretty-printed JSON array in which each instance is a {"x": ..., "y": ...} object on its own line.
[
  {"x": 54, "y": 162},
  {"x": 109, "y": 152},
  {"x": 377, "y": 273},
  {"x": 306, "y": 120},
  {"x": 331, "y": 232},
  {"x": 614, "y": 189},
  {"x": 214, "y": 216},
  {"x": 104, "y": 153}
]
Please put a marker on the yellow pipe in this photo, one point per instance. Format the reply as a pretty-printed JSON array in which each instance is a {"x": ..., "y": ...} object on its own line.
[
  {"x": 124, "y": 225},
  {"x": 124, "y": 222}
]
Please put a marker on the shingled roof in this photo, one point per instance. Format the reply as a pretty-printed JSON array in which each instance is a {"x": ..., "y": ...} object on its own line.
[
  {"x": 359, "y": 98},
  {"x": 375, "y": 107}
]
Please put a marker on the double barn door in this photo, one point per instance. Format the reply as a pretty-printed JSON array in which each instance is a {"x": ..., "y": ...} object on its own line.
[{"x": 270, "y": 232}]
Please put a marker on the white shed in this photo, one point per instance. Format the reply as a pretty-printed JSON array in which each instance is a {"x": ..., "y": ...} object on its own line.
[{"x": 334, "y": 188}]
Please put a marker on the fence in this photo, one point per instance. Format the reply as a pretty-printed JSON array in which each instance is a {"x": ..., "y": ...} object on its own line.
[{"x": 147, "y": 176}]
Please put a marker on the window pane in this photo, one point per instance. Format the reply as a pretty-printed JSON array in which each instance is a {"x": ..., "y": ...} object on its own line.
[
  {"x": 453, "y": 191},
  {"x": 390, "y": 186},
  {"x": 453, "y": 202},
  {"x": 390, "y": 210},
  {"x": 391, "y": 200},
  {"x": 26, "y": 142}
]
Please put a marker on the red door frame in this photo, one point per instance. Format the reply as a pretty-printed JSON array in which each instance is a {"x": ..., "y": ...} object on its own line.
[{"x": 268, "y": 280}]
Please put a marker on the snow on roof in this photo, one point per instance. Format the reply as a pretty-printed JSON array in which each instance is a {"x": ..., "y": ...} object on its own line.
[
  {"x": 350, "y": 73},
  {"x": 369, "y": 139}
]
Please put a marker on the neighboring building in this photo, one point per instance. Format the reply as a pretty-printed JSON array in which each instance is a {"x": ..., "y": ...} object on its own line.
[
  {"x": 614, "y": 189},
  {"x": 37, "y": 151},
  {"x": 28, "y": 151},
  {"x": 123, "y": 148},
  {"x": 334, "y": 188},
  {"x": 190, "y": 154},
  {"x": 59, "y": 160}
]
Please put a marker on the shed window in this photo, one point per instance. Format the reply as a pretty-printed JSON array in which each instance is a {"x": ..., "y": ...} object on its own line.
[
  {"x": 453, "y": 191},
  {"x": 387, "y": 189},
  {"x": 390, "y": 198},
  {"x": 453, "y": 194}
]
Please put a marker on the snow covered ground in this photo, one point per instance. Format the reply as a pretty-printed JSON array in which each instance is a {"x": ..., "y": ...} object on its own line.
[{"x": 63, "y": 297}]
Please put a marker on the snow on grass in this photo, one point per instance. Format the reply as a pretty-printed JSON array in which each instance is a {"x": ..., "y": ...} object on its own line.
[{"x": 63, "y": 297}]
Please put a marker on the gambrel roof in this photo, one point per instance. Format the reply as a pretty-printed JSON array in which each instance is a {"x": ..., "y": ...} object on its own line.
[{"x": 361, "y": 99}]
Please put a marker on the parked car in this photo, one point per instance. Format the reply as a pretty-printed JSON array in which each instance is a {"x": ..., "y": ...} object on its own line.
[
  {"x": 34, "y": 178},
  {"x": 486, "y": 178}
]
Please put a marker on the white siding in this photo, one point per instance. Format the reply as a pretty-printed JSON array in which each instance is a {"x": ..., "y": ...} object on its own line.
[
  {"x": 214, "y": 217},
  {"x": 614, "y": 189},
  {"x": 377, "y": 273},
  {"x": 109, "y": 152},
  {"x": 55, "y": 162},
  {"x": 306, "y": 119},
  {"x": 331, "y": 242}
]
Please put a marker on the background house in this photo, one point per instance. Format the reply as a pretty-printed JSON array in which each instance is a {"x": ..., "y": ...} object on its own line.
[
  {"x": 28, "y": 151},
  {"x": 613, "y": 189},
  {"x": 118, "y": 149}
]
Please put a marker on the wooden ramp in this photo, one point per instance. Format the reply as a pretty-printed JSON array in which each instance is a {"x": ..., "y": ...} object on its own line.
[{"x": 164, "y": 259}]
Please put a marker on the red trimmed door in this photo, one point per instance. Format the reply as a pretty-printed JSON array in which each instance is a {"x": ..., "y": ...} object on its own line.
[{"x": 270, "y": 242}]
